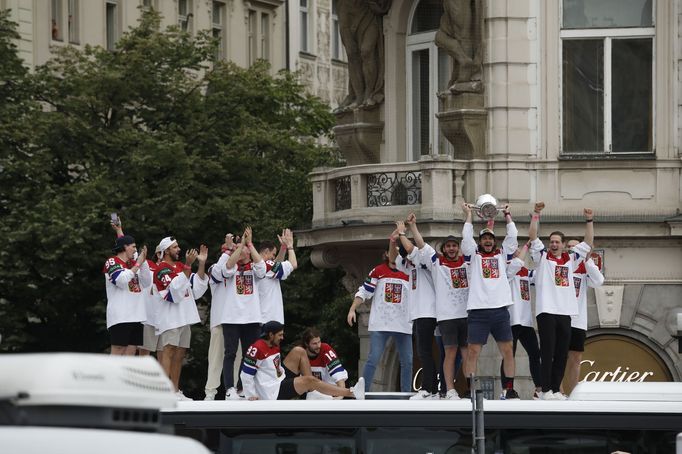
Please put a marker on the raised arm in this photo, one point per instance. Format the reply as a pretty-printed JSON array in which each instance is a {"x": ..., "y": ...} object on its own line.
[
  {"x": 282, "y": 247},
  {"x": 535, "y": 220},
  {"x": 412, "y": 225},
  {"x": 402, "y": 236},
  {"x": 468, "y": 244},
  {"x": 510, "y": 243},
  {"x": 289, "y": 242},
  {"x": 393, "y": 246},
  {"x": 234, "y": 257},
  {"x": 589, "y": 226}
]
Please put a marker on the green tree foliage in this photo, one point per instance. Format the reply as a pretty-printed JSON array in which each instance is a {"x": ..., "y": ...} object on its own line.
[{"x": 177, "y": 144}]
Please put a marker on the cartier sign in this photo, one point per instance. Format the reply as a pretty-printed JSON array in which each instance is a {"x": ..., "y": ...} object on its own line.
[{"x": 612, "y": 358}]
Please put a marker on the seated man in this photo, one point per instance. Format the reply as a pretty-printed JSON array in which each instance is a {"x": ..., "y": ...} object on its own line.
[
  {"x": 264, "y": 378},
  {"x": 316, "y": 358}
]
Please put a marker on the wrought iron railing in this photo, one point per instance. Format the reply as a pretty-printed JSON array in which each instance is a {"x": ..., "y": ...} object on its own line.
[
  {"x": 342, "y": 200},
  {"x": 394, "y": 188}
]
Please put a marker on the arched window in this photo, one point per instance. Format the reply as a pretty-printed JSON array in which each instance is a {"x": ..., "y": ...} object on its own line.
[{"x": 428, "y": 72}]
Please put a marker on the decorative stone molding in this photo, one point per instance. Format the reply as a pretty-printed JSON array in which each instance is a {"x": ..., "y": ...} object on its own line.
[
  {"x": 359, "y": 134},
  {"x": 463, "y": 120},
  {"x": 609, "y": 300}
]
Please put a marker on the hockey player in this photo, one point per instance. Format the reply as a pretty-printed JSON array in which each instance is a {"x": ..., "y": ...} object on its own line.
[
  {"x": 178, "y": 289},
  {"x": 389, "y": 317},
  {"x": 238, "y": 307},
  {"x": 125, "y": 300},
  {"x": 489, "y": 295},
  {"x": 521, "y": 315},
  {"x": 269, "y": 289},
  {"x": 265, "y": 378},
  {"x": 316, "y": 358},
  {"x": 588, "y": 274},
  {"x": 556, "y": 298}
]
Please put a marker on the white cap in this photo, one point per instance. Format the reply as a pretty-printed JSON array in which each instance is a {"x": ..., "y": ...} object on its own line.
[{"x": 164, "y": 244}]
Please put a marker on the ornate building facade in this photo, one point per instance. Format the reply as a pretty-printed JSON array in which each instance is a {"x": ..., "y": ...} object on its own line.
[{"x": 571, "y": 102}]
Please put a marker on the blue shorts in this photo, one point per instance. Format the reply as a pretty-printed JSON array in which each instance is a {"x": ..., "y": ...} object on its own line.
[{"x": 482, "y": 322}]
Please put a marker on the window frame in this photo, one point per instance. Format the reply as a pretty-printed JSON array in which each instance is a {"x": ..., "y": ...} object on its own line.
[
  {"x": 187, "y": 18},
  {"x": 335, "y": 35},
  {"x": 256, "y": 39},
  {"x": 607, "y": 35},
  {"x": 305, "y": 24},
  {"x": 221, "y": 27},
  {"x": 116, "y": 32}
]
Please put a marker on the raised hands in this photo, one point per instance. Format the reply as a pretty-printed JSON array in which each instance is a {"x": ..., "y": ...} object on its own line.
[
  {"x": 286, "y": 238},
  {"x": 191, "y": 257},
  {"x": 400, "y": 227},
  {"x": 203, "y": 253},
  {"x": 588, "y": 213},
  {"x": 411, "y": 219},
  {"x": 539, "y": 206},
  {"x": 142, "y": 256}
]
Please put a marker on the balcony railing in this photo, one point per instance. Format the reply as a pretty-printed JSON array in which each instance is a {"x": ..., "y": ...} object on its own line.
[
  {"x": 394, "y": 188},
  {"x": 375, "y": 192}
]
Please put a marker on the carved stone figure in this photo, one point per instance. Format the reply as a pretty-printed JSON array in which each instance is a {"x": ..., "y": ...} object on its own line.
[
  {"x": 362, "y": 34},
  {"x": 460, "y": 36}
]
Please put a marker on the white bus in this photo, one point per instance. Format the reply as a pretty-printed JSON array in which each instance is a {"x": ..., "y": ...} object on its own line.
[{"x": 598, "y": 418}]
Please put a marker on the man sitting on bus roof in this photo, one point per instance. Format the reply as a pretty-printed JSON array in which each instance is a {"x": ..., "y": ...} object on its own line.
[{"x": 264, "y": 377}]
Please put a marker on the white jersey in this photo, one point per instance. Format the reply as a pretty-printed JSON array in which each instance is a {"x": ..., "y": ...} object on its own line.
[
  {"x": 177, "y": 295},
  {"x": 451, "y": 280},
  {"x": 586, "y": 275},
  {"x": 262, "y": 371},
  {"x": 125, "y": 299},
  {"x": 389, "y": 291},
  {"x": 488, "y": 273},
  {"x": 240, "y": 302},
  {"x": 326, "y": 366},
  {"x": 554, "y": 285},
  {"x": 270, "y": 292},
  {"x": 218, "y": 291},
  {"x": 521, "y": 312},
  {"x": 422, "y": 301},
  {"x": 150, "y": 294}
]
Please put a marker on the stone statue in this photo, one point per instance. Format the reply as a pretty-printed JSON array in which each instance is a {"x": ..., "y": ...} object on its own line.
[
  {"x": 362, "y": 34},
  {"x": 460, "y": 35}
]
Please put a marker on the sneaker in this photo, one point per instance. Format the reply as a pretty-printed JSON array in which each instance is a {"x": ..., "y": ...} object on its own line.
[
  {"x": 210, "y": 394},
  {"x": 511, "y": 394},
  {"x": 549, "y": 395},
  {"x": 452, "y": 395},
  {"x": 359, "y": 389},
  {"x": 466, "y": 395},
  {"x": 180, "y": 396},
  {"x": 422, "y": 395},
  {"x": 537, "y": 394},
  {"x": 503, "y": 395},
  {"x": 559, "y": 396},
  {"x": 232, "y": 394}
]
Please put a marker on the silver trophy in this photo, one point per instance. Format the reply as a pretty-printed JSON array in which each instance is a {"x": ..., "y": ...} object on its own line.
[{"x": 486, "y": 207}]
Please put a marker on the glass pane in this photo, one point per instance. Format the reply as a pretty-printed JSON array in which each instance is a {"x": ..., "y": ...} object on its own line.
[
  {"x": 73, "y": 21},
  {"x": 56, "y": 19},
  {"x": 304, "y": 30},
  {"x": 583, "y": 95},
  {"x": 217, "y": 13},
  {"x": 182, "y": 7},
  {"x": 632, "y": 94},
  {"x": 607, "y": 13},
  {"x": 265, "y": 36},
  {"x": 111, "y": 26},
  {"x": 420, "y": 103},
  {"x": 427, "y": 16}
]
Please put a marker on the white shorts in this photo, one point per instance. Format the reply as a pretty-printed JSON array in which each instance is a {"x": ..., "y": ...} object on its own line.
[
  {"x": 177, "y": 337},
  {"x": 150, "y": 339}
]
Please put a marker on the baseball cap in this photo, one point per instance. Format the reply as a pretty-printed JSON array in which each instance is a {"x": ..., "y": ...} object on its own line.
[
  {"x": 272, "y": 326},
  {"x": 449, "y": 238},
  {"x": 163, "y": 245},
  {"x": 122, "y": 242},
  {"x": 486, "y": 231}
]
